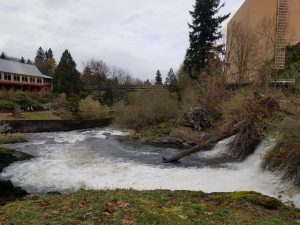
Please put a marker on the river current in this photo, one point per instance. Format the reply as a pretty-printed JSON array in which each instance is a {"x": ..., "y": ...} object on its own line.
[{"x": 104, "y": 158}]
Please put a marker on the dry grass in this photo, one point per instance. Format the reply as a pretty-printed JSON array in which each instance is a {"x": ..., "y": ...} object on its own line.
[
  {"x": 254, "y": 112},
  {"x": 146, "y": 108},
  {"x": 284, "y": 159}
]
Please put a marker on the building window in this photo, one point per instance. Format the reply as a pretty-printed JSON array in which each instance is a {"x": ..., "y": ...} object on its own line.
[
  {"x": 16, "y": 78},
  {"x": 7, "y": 76},
  {"x": 39, "y": 80},
  {"x": 32, "y": 79},
  {"x": 25, "y": 79}
]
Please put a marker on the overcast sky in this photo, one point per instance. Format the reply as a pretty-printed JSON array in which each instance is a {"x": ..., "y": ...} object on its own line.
[{"x": 138, "y": 35}]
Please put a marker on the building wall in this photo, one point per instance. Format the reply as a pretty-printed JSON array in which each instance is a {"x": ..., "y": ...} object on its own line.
[
  {"x": 251, "y": 14},
  {"x": 8, "y": 86}
]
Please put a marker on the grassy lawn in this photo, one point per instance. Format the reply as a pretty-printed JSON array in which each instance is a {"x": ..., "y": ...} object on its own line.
[
  {"x": 36, "y": 116},
  {"x": 149, "y": 207},
  {"x": 43, "y": 115}
]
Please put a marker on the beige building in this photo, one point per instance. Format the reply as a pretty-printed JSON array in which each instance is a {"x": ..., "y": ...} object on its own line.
[{"x": 258, "y": 32}]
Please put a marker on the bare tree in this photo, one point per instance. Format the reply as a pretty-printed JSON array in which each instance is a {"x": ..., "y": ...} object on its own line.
[{"x": 241, "y": 52}]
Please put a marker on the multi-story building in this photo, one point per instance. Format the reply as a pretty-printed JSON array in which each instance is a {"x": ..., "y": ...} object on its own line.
[
  {"x": 16, "y": 76},
  {"x": 275, "y": 23}
]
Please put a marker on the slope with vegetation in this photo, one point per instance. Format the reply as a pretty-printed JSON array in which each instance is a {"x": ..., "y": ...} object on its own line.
[{"x": 149, "y": 207}]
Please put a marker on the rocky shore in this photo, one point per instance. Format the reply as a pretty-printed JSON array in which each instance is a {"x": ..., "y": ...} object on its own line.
[{"x": 8, "y": 192}]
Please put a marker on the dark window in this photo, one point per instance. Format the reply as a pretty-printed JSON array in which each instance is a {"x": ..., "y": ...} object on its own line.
[
  {"x": 32, "y": 79},
  {"x": 16, "y": 78},
  {"x": 24, "y": 78},
  {"x": 7, "y": 76},
  {"x": 39, "y": 80}
]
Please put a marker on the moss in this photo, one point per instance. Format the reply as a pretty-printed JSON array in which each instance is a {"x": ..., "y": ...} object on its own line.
[
  {"x": 251, "y": 197},
  {"x": 11, "y": 139},
  {"x": 8, "y": 156},
  {"x": 145, "y": 207}
]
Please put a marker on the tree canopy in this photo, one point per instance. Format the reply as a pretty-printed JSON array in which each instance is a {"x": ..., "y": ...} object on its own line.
[
  {"x": 66, "y": 78},
  {"x": 205, "y": 32},
  {"x": 171, "y": 81},
  {"x": 158, "y": 78}
]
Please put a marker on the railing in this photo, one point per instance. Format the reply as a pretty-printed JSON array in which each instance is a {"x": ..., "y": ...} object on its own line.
[
  {"x": 280, "y": 47},
  {"x": 23, "y": 83}
]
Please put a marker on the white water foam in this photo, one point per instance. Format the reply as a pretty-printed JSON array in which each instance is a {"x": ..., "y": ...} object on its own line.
[{"x": 65, "y": 169}]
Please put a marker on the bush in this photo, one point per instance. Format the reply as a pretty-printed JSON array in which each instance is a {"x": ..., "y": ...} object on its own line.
[
  {"x": 91, "y": 109},
  {"x": 146, "y": 108},
  {"x": 284, "y": 159},
  {"x": 26, "y": 102},
  {"x": 253, "y": 112},
  {"x": 6, "y": 105}
]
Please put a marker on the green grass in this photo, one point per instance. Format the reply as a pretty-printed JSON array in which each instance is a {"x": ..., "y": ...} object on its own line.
[
  {"x": 36, "y": 116},
  {"x": 148, "y": 207},
  {"x": 11, "y": 139}
]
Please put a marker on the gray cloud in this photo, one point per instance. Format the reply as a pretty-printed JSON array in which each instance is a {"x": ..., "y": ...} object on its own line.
[{"x": 139, "y": 35}]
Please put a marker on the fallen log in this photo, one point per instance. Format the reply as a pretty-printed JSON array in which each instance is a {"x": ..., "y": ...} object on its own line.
[{"x": 205, "y": 143}]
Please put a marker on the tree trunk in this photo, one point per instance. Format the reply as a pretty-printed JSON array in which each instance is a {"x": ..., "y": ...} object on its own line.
[{"x": 205, "y": 143}]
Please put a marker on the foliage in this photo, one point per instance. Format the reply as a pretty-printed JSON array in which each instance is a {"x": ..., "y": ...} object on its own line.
[
  {"x": 284, "y": 159},
  {"x": 158, "y": 78},
  {"x": 6, "y": 105},
  {"x": 11, "y": 139},
  {"x": 198, "y": 118},
  {"x": 45, "y": 62},
  {"x": 95, "y": 74},
  {"x": 146, "y": 108},
  {"x": 203, "y": 35},
  {"x": 26, "y": 102},
  {"x": 3, "y": 55},
  {"x": 91, "y": 109},
  {"x": 149, "y": 207},
  {"x": 254, "y": 113},
  {"x": 171, "y": 81},
  {"x": 66, "y": 78}
]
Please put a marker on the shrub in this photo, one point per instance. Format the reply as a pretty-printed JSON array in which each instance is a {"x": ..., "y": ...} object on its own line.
[
  {"x": 6, "y": 105},
  {"x": 26, "y": 102},
  {"x": 284, "y": 159},
  {"x": 146, "y": 108},
  {"x": 253, "y": 112},
  {"x": 91, "y": 109}
]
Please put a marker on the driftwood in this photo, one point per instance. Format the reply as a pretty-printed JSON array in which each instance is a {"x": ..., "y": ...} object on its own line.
[{"x": 206, "y": 143}]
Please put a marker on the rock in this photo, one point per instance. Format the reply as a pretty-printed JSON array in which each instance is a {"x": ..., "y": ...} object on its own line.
[
  {"x": 8, "y": 156},
  {"x": 8, "y": 192}
]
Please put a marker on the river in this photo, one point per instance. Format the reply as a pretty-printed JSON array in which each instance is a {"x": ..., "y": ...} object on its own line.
[{"x": 104, "y": 158}]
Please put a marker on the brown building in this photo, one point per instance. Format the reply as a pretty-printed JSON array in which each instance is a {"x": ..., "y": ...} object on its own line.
[
  {"x": 16, "y": 76},
  {"x": 260, "y": 30}
]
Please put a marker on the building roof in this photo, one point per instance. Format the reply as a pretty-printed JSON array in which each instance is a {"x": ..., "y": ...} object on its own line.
[{"x": 14, "y": 67}]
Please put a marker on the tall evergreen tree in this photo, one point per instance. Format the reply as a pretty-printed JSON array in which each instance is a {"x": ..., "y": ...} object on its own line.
[
  {"x": 22, "y": 60},
  {"x": 205, "y": 32},
  {"x": 3, "y": 56},
  {"x": 40, "y": 56},
  {"x": 49, "y": 54},
  {"x": 158, "y": 78},
  {"x": 171, "y": 81},
  {"x": 66, "y": 77}
]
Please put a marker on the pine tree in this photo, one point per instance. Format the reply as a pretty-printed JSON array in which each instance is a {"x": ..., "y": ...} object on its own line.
[
  {"x": 158, "y": 78},
  {"x": 3, "y": 56},
  {"x": 29, "y": 62},
  {"x": 203, "y": 35},
  {"x": 22, "y": 60},
  {"x": 66, "y": 78},
  {"x": 40, "y": 56},
  {"x": 50, "y": 54},
  {"x": 171, "y": 81}
]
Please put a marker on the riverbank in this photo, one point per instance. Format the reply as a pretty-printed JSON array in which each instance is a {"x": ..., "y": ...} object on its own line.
[
  {"x": 149, "y": 207},
  {"x": 8, "y": 192}
]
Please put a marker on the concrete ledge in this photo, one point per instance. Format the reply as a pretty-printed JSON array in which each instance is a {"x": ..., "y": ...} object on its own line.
[{"x": 37, "y": 126}]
